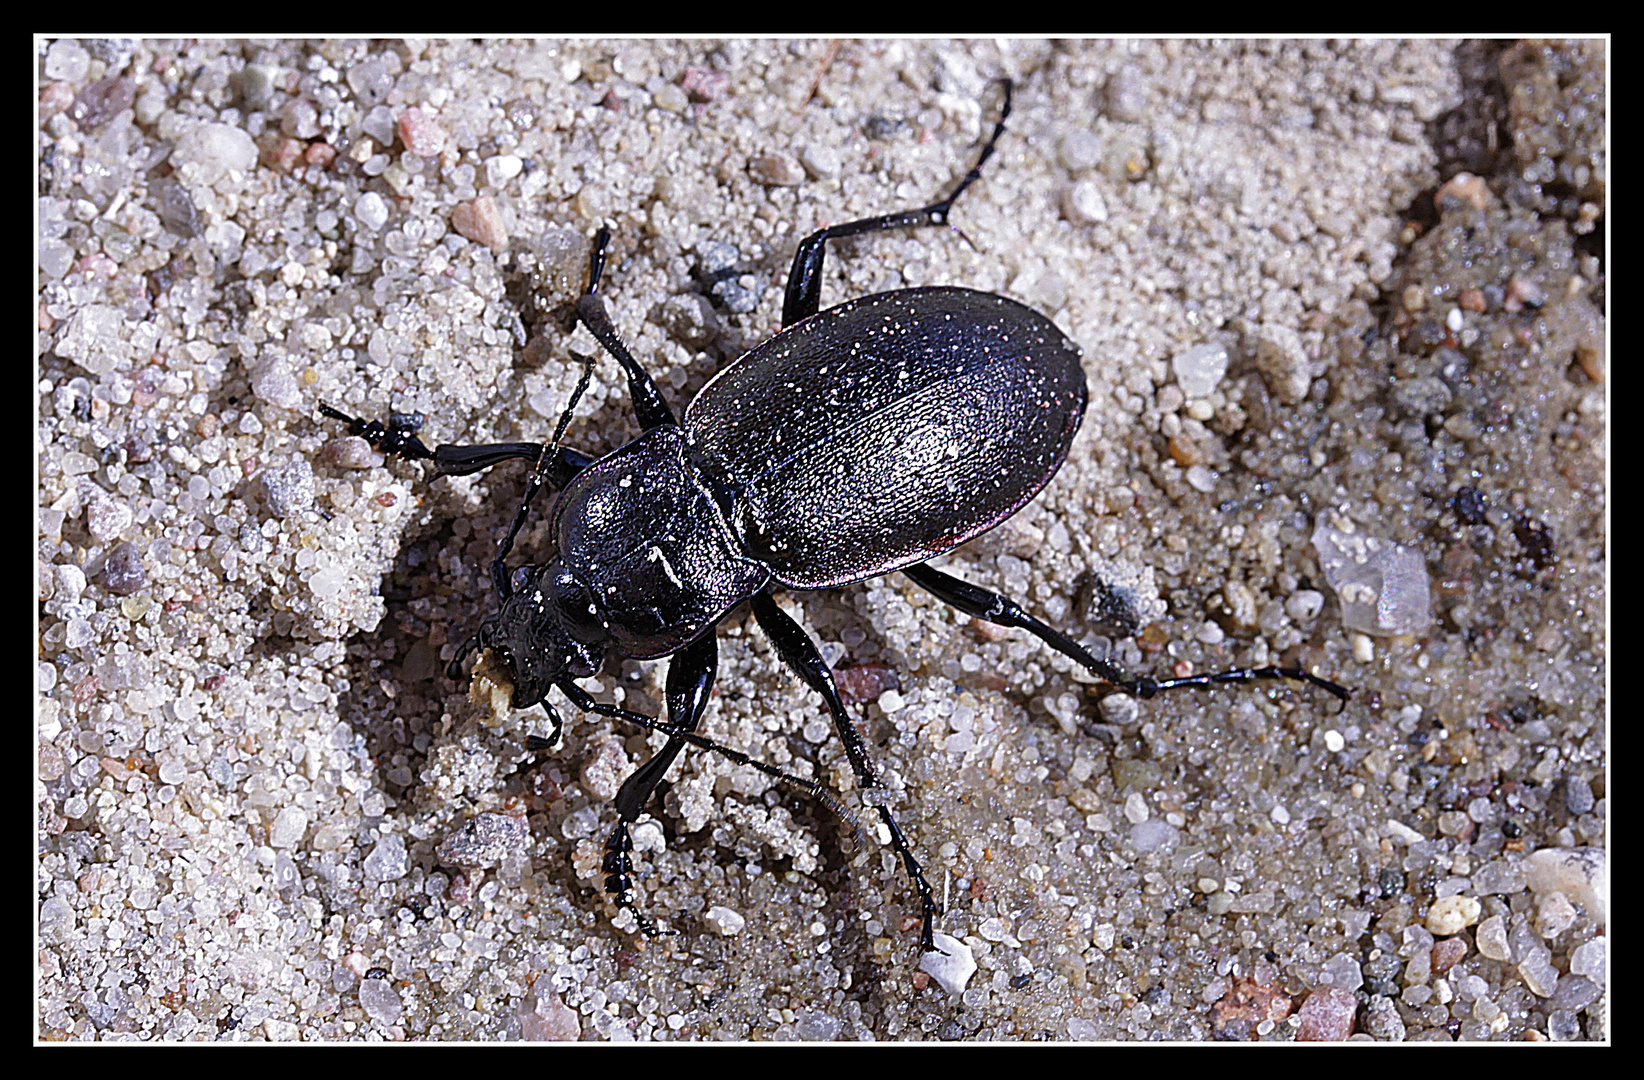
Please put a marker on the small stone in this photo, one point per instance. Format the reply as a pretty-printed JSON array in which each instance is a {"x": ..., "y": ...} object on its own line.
[
  {"x": 214, "y": 151},
  {"x": 388, "y": 861},
  {"x": 1083, "y": 204},
  {"x": 776, "y": 170},
  {"x": 1492, "y": 938},
  {"x": 1467, "y": 188},
  {"x": 273, "y": 382},
  {"x": 67, "y": 60},
  {"x": 54, "y": 98},
  {"x": 95, "y": 337},
  {"x": 106, "y": 516},
  {"x": 1522, "y": 292},
  {"x": 1589, "y": 960},
  {"x": 1327, "y": 1015},
  {"x": 1574, "y": 993},
  {"x": 1239, "y": 1013},
  {"x": 100, "y": 102},
  {"x": 1126, "y": 95},
  {"x": 703, "y": 83},
  {"x": 1578, "y": 796},
  {"x": 1554, "y": 915},
  {"x": 289, "y": 828},
  {"x": 866, "y": 682},
  {"x": 485, "y": 840},
  {"x": 300, "y": 119},
  {"x": 1562, "y": 1026},
  {"x": 1382, "y": 1020},
  {"x": 290, "y": 488},
  {"x": 176, "y": 208},
  {"x": 480, "y": 221},
  {"x": 1200, "y": 370},
  {"x": 1538, "y": 972},
  {"x": 373, "y": 78},
  {"x": 820, "y": 160},
  {"x": 1345, "y": 971},
  {"x": 1384, "y": 589},
  {"x": 380, "y": 1002},
  {"x": 1498, "y": 877},
  {"x": 1581, "y": 873},
  {"x": 672, "y": 98},
  {"x": 1121, "y": 710},
  {"x": 1422, "y": 396},
  {"x": 1281, "y": 357},
  {"x": 545, "y": 1018},
  {"x": 604, "y": 769},
  {"x": 1079, "y": 150},
  {"x": 813, "y": 1025},
  {"x": 951, "y": 965},
  {"x": 1116, "y": 599},
  {"x": 502, "y": 168},
  {"x": 1304, "y": 605},
  {"x": 690, "y": 320},
  {"x": 371, "y": 210},
  {"x": 1155, "y": 834},
  {"x": 1447, "y": 954},
  {"x": 421, "y": 134},
  {"x": 723, "y": 921},
  {"x": 351, "y": 452},
  {"x": 1452, "y": 914},
  {"x": 257, "y": 85}
]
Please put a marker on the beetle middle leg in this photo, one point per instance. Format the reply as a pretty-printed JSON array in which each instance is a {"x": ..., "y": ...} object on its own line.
[
  {"x": 649, "y": 404},
  {"x": 991, "y": 607},
  {"x": 800, "y": 653},
  {"x": 804, "y": 291}
]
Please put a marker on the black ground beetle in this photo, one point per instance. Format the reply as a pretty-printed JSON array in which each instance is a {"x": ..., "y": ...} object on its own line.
[{"x": 860, "y": 440}]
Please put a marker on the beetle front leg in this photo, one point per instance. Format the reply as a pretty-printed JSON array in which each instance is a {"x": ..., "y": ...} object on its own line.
[
  {"x": 556, "y": 465},
  {"x": 991, "y": 607},
  {"x": 804, "y": 291},
  {"x": 398, "y": 438},
  {"x": 688, "y": 693},
  {"x": 800, "y": 653},
  {"x": 690, "y": 682}
]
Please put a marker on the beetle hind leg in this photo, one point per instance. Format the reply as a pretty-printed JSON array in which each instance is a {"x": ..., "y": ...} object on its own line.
[
  {"x": 991, "y": 607},
  {"x": 804, "y": 290},
  {"x": 800, "y": 653}
]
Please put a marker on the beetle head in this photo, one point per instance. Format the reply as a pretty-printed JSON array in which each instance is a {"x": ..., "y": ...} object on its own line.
[{"x": 544, "y": 632}]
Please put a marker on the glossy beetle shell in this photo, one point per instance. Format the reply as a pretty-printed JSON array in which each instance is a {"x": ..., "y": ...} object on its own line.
[{"x": 888, "y": 430}]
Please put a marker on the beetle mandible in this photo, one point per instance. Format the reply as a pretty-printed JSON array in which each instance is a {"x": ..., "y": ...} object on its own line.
[{"x": 859, "y": 441}]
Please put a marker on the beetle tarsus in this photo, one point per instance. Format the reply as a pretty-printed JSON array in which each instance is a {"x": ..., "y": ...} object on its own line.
[
  {"x": 618, "y": 865},
  {"x": 397, "y": 438}
]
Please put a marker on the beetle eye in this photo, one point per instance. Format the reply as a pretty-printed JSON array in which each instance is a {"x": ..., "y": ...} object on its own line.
[{"x": 521, "y": 578}]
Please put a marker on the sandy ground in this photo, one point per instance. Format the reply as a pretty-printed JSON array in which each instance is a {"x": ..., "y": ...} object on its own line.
[{"x": 264, "y": 812}]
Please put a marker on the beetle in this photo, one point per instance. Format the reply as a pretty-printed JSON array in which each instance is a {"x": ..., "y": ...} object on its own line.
[{"x": 859, "y": 441}]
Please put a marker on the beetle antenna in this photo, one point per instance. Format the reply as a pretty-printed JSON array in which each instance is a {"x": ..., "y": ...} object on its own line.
[
  {"x": 548, "y": 451},
  {"x": 539, "y": 477}
]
